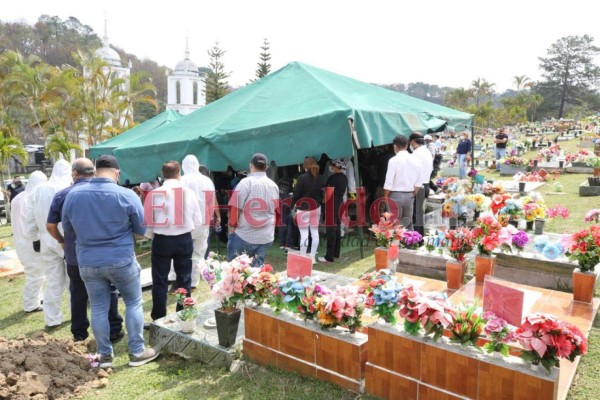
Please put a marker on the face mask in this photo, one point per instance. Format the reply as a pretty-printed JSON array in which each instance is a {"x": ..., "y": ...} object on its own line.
[{"x": 411, "y": 148}]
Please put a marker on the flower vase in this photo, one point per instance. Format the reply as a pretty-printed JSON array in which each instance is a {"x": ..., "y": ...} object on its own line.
[
  {"x": 583, "y": 285},
  {"x": 462, "y": 221},
  {"x": 596, "y": 171},
  {"x": 535, "y": 163},
  {"x": 535, "y": 367},
  {"x": 484, "y": 265},
  {"x": 453, "y": 223},
  {"x": 539, "y": 226},
  {"x": 522, "y": 188},
  {"x": 476, "y": 214},
  {"x": 381, "y": 258},
  {"x": 188, "y": 326},
  {"x": 529, "y": 225},
  {"x": 548, "y": 158},
  {"x": 227, "y": 326},
  {"x": 455, "y": 274},
  {"x": 514, "y": 222}
]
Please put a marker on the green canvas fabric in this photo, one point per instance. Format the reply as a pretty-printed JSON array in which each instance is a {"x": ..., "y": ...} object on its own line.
[
  {"x": 294, "y": 112},
  {"x": 107, "y": 147}
]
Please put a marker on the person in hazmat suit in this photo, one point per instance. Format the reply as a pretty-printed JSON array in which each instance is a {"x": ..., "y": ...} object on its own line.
[
  {"x": 28, "y": 247},
  {"x": 51, "y": 252}
]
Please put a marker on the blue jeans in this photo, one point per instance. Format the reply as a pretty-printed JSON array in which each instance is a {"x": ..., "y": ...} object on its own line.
[
  {"x": 462, "y": 165},
  {"x": 237, "y": 246},
  {"x": 127, "y": 281},
  {"x": 500, "y": 153}
]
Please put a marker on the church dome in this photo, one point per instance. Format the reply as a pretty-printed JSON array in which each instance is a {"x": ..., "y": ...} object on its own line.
[
  {"x": 186, "y": 66},
  {"x": 109, "y": 55}
]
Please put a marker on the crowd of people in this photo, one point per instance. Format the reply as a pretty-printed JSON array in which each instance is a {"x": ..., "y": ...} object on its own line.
[{"x": 78, "y": 228}]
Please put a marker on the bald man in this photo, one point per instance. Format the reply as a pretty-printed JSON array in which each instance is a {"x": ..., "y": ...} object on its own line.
[{"x": 82, "y": 172}]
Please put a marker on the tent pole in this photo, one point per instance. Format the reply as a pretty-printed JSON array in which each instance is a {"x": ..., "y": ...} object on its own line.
[{"x": 358, "y": 185}]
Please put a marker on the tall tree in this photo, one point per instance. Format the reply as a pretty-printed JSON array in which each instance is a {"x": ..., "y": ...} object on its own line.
[
  {"x": 569, "y": 69},
  {"x": 521, "y": 81},
  {"x": 215, "y": 84},
  {"x": 458, "y": 98},
  {"x": 59, "y": 144},
  {"x": 263, "y": 65},
  {"x": 10, "y": 147}
]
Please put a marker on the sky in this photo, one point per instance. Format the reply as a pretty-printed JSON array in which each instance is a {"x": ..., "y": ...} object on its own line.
[{"x": 447, "y": 43}]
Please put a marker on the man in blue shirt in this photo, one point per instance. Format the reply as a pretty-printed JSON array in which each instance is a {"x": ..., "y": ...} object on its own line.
[
  {"x": 104, "y": 217},
  {"x": 82, "y": 172}
]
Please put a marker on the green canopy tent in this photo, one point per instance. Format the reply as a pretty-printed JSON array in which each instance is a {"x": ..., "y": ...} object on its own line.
[
  {"x": 296, "y": 111},
  {"x": 139, "y": 131}
]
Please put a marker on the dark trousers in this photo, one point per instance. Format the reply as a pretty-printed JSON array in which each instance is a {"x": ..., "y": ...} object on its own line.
[
  {"x": 79, "y": 302},
  {"x": 164, "y": 249},
  {"x": 334, "y": 241},
  {"x": 418, "y": 222}
]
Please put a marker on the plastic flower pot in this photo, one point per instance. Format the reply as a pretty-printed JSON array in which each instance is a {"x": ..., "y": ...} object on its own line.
[
  {"x": 535, "y": 163},
  {"x": 561, "y": 164},
  {"x": 381, "y": 258},
  {"x": 227, "y": 326},
  {"x": 597, "y": 171},
  {"x": 529, "y": 225},
  {"x": 455, "y": 274},
  {"x": 188, "y": 326},
  {"x": 484, "y": 265},
  {"x": 583, "y": 285},
  {"x": 522, "y": 187},
  {"x": 539, "y": 226}
]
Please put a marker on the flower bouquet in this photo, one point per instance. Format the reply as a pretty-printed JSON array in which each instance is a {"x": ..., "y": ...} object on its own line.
[
  {"x": 261, "y": 284},
  {"x": 387, "y": 230},
  {"x": 592, "y": 161},
  {"x": 499, "y": 202},
  {"x": 408, "y": 298},
  {"x": 585, "y": 248},
  {"x": 558, "y": 211},
  {"x": 467, "y": 325},
  {"x": 309, "y": 304},
  {"x": 411, "y": 240},
  {"x": 234, "y": 285},
  {"x": 459, "y": 242},
  {"x": 512, "y": 208},
  {"x": 189, "y": 310},
  {"x": 435, "y": 314},
  {"x": 490, "y": 189},
  {"x": 593, "y": 215},
  {"x": 211, "y": 268},
  {"x": 545, "y": 340},
  {"x": 489, "y": 234},
  {"x": 515, "y": 161},
  {"x": 341, "y": 307},
  {"x": 499, "y": 332},
  {"x": 481, "y": 202},
  {"x": 288, "y": 294},
  {"x": 519, "y": 240},
  {"x": 382, "y": 297}
]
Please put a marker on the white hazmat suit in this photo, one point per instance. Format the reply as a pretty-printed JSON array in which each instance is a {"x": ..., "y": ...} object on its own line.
[
  {"x": 31, "y": 260},
  {"x": 204, "y": 189},
  {"x": 51, "y": 254}
]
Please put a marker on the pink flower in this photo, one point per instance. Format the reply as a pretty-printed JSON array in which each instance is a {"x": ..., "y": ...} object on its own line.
[{"x": 494, "y": 325}]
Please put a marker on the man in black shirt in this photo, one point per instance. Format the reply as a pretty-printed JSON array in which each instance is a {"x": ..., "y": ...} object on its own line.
[
  {"x": 500, "y": 140},
  {"x": 15, "y": 187},
  {"x": 339, "y": 182}
]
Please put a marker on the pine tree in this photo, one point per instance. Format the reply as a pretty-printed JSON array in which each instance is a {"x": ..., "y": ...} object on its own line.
[
  {"x": 569, "y": 70},
  {"x": 264, "y": 68},
  {"x": 215, "y": 84}
]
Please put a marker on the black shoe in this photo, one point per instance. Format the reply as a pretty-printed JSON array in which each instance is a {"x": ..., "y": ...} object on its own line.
[
  {"x": 116, "y": 338},
  {"x": 51, "y": 328},
  {"x": 147, "y": 325}
]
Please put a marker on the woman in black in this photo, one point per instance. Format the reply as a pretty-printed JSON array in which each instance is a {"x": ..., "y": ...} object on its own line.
[
  {"x": 308, "y": 193},
  {"x": 339, "y": 182}
]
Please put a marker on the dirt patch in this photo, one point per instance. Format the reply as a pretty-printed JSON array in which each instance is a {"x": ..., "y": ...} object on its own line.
[{"x": 42, "y": 367}]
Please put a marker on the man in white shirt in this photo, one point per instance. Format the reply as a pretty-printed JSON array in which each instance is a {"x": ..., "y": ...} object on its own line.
[
  {"x": 252, "y": 213},
  {"x": 425, "y": 161},
  {"x": 401, "y": 182},
  {"x": 204, "y": 189},
  {"x": 171, "y": 213}
]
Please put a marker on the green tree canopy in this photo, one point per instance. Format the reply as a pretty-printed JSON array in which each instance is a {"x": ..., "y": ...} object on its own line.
[
  {"x": 265, "y": 56},
  {"x": 569, "y": 71},
  {"x": 215, "y": 83}
]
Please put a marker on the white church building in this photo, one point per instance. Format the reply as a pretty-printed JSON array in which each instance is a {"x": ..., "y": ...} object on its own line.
[{"x": 185, "y": 90}]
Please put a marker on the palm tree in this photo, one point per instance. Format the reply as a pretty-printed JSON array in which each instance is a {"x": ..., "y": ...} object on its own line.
[
  {"x": 533, "y": 102},
  {"x": 58, "y": 145},
  {"x": 139, "y": 90},
  {"x": 521, "y": 81},
  {"x": 10, "y": 147},
  {"x": 458, "y": 98}
]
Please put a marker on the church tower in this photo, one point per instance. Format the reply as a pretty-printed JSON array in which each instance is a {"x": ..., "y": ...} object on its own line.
[
  {"x": 185, "y": 86},
  {"x": 112, "y": 58}
]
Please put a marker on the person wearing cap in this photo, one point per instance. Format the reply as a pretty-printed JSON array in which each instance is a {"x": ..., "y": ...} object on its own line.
[
  {"x": 104, "y": 217},
  {"x": 425, "y": 162},
  {"x": 171, "y": 235},
  {"x": 402, "y": 182},
  {"x": 335, "y": 189},
  {"x": 82, "y": 171},
  {"x": 51, "y": 253},
  {"x": 252, "y": 205}
]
